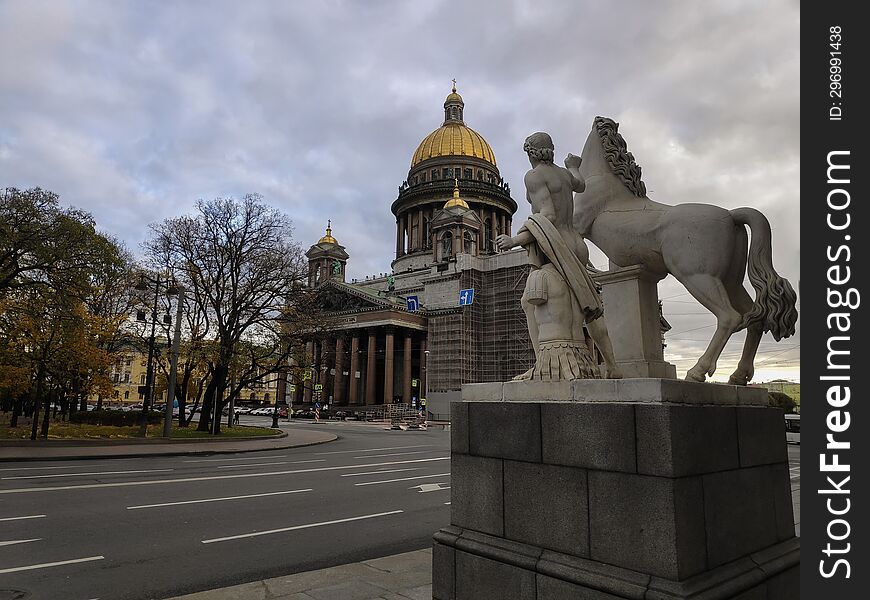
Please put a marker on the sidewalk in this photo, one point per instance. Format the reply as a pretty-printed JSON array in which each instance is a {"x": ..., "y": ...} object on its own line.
[
  {"x": 400, "y": 577},
  {"x": 69, "y": 450}
]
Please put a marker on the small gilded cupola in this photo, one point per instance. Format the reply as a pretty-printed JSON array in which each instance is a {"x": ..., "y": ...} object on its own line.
[
  {"x": 453, "y": 106},
  {"x": 455, "y": 229},
  {"x": 327, "y": 259}
]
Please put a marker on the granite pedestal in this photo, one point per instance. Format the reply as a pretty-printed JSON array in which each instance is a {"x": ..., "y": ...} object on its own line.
[{"x": 652, "y": 489}]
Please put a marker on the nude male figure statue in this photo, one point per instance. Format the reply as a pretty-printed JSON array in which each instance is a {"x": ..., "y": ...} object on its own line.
[{"x": 557, "y": 250}]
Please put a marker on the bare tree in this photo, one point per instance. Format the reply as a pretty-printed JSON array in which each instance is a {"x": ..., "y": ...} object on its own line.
[{"x": 246, "y": 274}]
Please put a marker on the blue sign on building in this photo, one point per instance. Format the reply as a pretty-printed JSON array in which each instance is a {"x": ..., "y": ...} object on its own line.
[
  {"x": 466, "y": 297},
  {"x": 413, "y": 303}
]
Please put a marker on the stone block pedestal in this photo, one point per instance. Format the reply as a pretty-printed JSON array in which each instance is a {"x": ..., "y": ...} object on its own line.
[{"x": 648, "y": 489}]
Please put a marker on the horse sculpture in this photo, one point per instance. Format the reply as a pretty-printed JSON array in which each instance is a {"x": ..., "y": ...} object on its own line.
[{"x": 704, "y": 247}]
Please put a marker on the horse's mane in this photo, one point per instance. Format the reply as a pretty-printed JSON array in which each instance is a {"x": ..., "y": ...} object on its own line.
[{"x": 618, "y": 157}]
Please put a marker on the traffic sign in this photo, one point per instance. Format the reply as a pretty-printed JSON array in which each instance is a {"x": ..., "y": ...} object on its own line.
[
  {"x": 317, "y": 405},
  {"x": 415, "y": 382},
  {"x": 318, "y": 387},
  {"x": 292, "y": 388},
  {"x": 413, "y": 303},
  {"x": 306, "y": 374},
  {"x": 466, "y": 297},
  {"x": 422, "y": 401}
]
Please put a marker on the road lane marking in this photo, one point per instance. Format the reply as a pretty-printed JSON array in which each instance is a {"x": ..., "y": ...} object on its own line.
[
  {"x": 87, "y": 474},
  {"x": 265, "y": 464},
  {"x": 308, "y": 526},
  {"x": 402, "y": 479},
  {"x": 217, "y": 499},
  {"x": 205, "y": 460},
  {"x": 379, "y": 472},
  {"x": 46, "y": 468},
  {"x": 11, "y": 542},
  {"x": 375, "y": 449},
  {"x": 22, "y": 518},
  {"x": 396, "y": 454},
  {"x": 429, "y": 487},
  {"x": 89, "y": 486},
  {"x": 51, "y": 564}
]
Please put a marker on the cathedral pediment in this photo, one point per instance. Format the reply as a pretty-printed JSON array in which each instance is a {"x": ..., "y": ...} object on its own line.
[{"x": 338, "y": 297}]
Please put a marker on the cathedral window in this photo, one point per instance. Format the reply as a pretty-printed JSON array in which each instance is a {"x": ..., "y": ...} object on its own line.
[
  {"x": 423, "y": 177},
  {"x": 427, "y": 234},
  {"x": 467, "y": 174},
  {"x": 434, "y": 174},
  {"x": 468, "y": 243},
  {"x": 487, "y": 235},
  {"x": 448, "y": 173}
]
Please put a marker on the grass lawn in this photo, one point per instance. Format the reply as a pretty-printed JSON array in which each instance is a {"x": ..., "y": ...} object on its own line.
[{"x": 59, "y": 430}]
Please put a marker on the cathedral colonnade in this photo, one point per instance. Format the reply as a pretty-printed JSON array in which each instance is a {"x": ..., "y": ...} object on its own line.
[{"x": 364, "y": 366}]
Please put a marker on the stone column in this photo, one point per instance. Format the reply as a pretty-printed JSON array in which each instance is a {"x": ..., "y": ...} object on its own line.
[
  {"x": 388, "y": 366},
  {"x": 406, "y": 373},
  {"x": 354, "y": 367},
  {"x": 400, "y": 236},
  {"x": 420, "y": 232},
  {"x": 631, "y": 307},
  {"x": 338, "y": 383},
  {"x": 371, "y": 362},
  {"x": 307, "y": 384}
]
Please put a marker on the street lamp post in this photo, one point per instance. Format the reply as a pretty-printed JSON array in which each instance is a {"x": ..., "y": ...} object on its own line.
[
  {"x": 173, "y": 368},
  {"x": 144, "y": 285}
]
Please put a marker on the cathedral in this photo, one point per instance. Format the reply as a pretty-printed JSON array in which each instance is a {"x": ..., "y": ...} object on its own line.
[{"x": 449, "y": 312}]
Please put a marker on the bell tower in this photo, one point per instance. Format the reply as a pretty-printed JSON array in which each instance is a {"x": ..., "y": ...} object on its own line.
[{"x": 327, "y": 259}]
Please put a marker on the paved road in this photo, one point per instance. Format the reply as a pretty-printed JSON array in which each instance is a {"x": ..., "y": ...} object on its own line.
[{"x": 163, "y": 526}]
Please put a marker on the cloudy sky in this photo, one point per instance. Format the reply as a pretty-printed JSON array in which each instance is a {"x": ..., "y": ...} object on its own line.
[{"x": 134, "y": 110}]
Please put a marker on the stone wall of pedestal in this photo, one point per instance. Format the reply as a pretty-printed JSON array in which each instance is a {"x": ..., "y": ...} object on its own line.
[{"x": 644, "y": 488}]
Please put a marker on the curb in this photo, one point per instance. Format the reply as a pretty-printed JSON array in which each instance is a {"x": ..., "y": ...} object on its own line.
[{"x": 208, "y": 452}]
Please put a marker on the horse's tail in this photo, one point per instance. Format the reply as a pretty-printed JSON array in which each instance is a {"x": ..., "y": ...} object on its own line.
[{"x": 775, "y": 299}]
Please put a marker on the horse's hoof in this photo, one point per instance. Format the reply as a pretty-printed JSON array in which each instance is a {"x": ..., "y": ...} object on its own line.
[
  {"x": 736, "y": 380},
  {"x": 613, "y": 373},
  {"x": 694, "y": 376},
  {"x": 524, "y": 376}
]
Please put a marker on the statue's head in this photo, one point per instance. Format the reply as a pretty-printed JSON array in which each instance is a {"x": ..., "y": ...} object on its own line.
[{"x": 539, "y": 146}]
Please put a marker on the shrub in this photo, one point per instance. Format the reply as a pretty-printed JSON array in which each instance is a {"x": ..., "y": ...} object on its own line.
[{"x": 114, "y": 418}]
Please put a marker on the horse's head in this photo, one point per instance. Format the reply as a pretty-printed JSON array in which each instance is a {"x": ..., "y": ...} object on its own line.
[{"x": 605, "y": 153}]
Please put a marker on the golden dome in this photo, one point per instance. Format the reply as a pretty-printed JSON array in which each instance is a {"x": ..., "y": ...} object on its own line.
[
  {"x": 456, "y": 200},
  {"x": 328, "y": 239},
  {"x": 453, "y": 139}
]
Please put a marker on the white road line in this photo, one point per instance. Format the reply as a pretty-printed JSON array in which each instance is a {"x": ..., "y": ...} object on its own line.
[
  {"x": 89, "y": 486},
  {"x": 22, "y": 518},
  {"x": 402, "y": 479},
  {"x": 378, "y": 472},
  {"x": 51, "y": 564},
  {"x": 217, "y": 499},
  {"x": 395, "y": 454},
  {"x": 283, "y": 529},
  {"x": 87, "y": 474},
  {"x": 280, "y": 462},
  {"x": 206, "y": 460},
  {"x": 46, "y": 468},
  {"x": 375, "y": 449},
  {"x": 447, "y": 503},
  {"x": 11, "y": 542}
]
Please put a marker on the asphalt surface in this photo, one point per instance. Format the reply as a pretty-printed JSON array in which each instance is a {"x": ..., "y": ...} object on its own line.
[{"x": 158, "y": 527}]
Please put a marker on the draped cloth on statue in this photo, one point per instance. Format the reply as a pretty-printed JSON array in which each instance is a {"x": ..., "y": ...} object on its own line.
[{"x": 552, "y": 245}]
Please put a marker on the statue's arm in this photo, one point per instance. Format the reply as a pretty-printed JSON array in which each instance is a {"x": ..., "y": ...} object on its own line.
[
  {"x": 522, "y": 238},
  {"x": 572, "y": 163}
]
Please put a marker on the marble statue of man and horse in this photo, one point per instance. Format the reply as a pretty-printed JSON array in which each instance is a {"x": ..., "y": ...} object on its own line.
[{"x": 705, "y": 247}]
